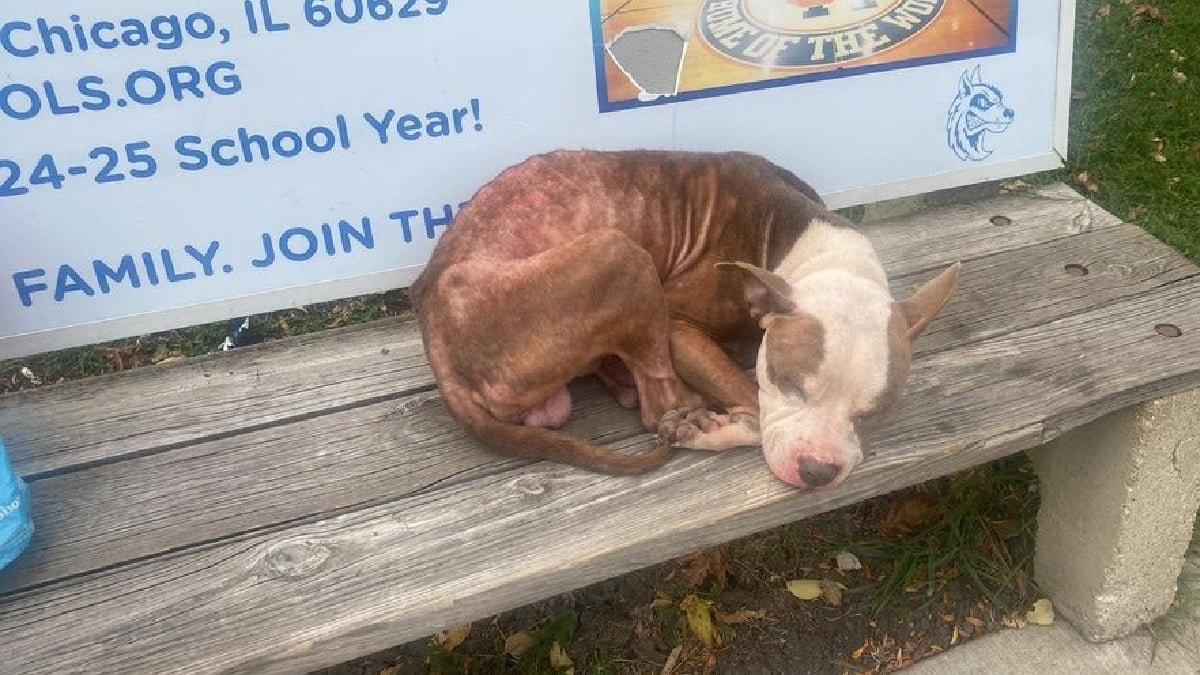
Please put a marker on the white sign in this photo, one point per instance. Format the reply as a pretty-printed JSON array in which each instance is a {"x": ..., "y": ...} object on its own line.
[{"x": 167, "y": 164}]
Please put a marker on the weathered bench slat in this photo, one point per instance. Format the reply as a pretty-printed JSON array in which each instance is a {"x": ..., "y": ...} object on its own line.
[
  {"x": 380, "y": 452},
  {"x": 383, "y": 451},
  {"x": 56, "y": 429},
  {"x": 312, "y": 594},
  {"x": 129, "y": 413}
]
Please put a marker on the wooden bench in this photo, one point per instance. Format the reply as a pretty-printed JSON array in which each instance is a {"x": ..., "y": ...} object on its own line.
[{"x": 296, "y": 504}]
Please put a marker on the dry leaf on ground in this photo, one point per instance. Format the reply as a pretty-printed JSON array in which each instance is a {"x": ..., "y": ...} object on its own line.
[
  {"x": 1042, "y": 613},
  {"x": 517, "y": 643},
  {"x": 805, "y": 589},
  {"x": 453, "y": 637},
  {"x": 909, "y": 514},
  {"x": 740, "y": 616},
  {"x": 699, "y": 618},
  {"x": 1139, "y": 11},
  {"x": 1086, "y": 180},
  {"x": 832, "y": 592},
  {"x": 848, "y": 561},
  {"x": 558, "y": 657},
  {"x": 672, "y": 659},
  {"x": 700, "y": 566}
]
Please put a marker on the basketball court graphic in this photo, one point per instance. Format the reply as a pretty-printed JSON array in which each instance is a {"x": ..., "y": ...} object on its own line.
[{"x": 703, "y": 48}]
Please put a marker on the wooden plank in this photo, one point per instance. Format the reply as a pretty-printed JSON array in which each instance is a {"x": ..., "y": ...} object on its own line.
[
  {"x": 75, "y": 425},
  {"x": 147, "y": 506},
  {"x": 1025, "y": 287},
  {"x": 124, "y": 414},
  {"x": 378, "y": 452},
  {"x": 318, "y": 593},
  {"x": 932, "y": 238}
]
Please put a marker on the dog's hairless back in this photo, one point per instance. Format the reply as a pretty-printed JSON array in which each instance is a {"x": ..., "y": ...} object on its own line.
[{"x": 689, "y": 211}]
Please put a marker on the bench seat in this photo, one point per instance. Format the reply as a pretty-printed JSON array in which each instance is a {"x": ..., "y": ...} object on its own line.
[{"x": 295, "y": 504}]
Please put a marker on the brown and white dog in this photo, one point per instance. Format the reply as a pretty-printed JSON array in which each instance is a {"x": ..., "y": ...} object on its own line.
[{"x": 654, "y": 270}]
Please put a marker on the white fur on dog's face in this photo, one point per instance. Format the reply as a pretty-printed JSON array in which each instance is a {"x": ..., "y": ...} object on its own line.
[
  {"x": 812, "y": 416},
  {"x": 832, "y": 361},
  {"x": 835, "y": 355}
]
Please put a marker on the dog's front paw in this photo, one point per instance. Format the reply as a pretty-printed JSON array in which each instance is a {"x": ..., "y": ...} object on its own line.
[
  {"x": 668, "y": 425},
  {"x": 715, "y": 432}
]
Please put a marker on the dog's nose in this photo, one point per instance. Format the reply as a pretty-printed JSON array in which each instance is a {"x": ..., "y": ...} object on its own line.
[{"x": 815, "y": 474}]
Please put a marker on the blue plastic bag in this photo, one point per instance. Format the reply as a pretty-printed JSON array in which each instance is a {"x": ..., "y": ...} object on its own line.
[{"x": 16, "y": 525}]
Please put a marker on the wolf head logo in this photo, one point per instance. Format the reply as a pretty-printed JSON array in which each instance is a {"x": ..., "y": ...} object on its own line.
[{"x": 977, "y": 109}]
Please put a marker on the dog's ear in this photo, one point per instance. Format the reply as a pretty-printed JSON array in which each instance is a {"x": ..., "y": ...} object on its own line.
[
  {"x": 922, "y": 306},
  {"x": 964, "y": 83},
  {"x": 766, "y": 292}
]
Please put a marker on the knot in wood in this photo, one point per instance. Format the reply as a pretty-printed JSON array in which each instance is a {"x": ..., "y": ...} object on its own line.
[
  {"x": 530, "y": 485},
  {"x": 297, "y": 559}
]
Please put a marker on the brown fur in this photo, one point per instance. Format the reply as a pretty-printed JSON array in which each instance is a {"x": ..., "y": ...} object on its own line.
[
  {"x": 588, "y": 255},
  {"x": 795, "y": 348}
]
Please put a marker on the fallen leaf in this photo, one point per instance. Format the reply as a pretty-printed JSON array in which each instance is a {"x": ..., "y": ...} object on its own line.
[
  {"x": 1086, "y": 180},
  {"x": 558, "y": 657},
  {"x": 1006, "y": 529},
  {"x": 672, "y": 659},
  {"x": 1159, "y": 157},
  {"x": 453, "y": 637},
  {"x": 1175, "y": 56},
  {"x": 1139, "y": 11},
  {"x": 517, "y": 643},
  {"x": 805, "y": 589},
  {"x": 975, "y": 622},
  {"x": 832, "y": 592},
  {"x": 954, "y": 636},
  {"x": 699, "y": 618},
  {"x": 1042, "y": 613},
  {"x": 661, "y": 600},
  {"x": 700, "y": 566},
  {"x": 909, "y": 514},
  {"x": 848, "y": 561},
  {"x": 1178, "y": 76},
  {"x": 1013, "y": 620},
  {"x": 857, "y": 653},
  {"x": 740, "y": 616},
  {"x": 948, "y": 617}
]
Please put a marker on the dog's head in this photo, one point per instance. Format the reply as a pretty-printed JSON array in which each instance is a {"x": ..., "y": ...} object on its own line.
[{"x": 834, "y": 360}]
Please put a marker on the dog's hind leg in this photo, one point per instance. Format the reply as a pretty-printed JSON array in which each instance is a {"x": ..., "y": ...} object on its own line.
[{"x": 517, "y": 331}]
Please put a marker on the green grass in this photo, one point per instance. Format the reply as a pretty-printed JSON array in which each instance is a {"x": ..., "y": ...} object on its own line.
[
  {"x": 983, "y": 534},
  {"x": 1137, "y": 101}
]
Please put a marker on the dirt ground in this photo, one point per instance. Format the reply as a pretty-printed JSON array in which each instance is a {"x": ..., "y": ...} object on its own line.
[{"x": 729, "y": 609}]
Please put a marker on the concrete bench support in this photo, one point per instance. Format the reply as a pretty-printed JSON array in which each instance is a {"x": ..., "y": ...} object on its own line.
[{"x": 1119, "y": 496}]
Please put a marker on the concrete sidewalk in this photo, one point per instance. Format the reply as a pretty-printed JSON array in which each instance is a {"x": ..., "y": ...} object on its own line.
[{"x": 1058, "y": 648}]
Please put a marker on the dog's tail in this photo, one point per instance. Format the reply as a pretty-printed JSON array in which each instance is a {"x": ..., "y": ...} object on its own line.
[{"x": 517, "y": 440}]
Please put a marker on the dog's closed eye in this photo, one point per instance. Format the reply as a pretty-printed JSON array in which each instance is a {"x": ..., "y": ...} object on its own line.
[{"x": 795, "y": 349}]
